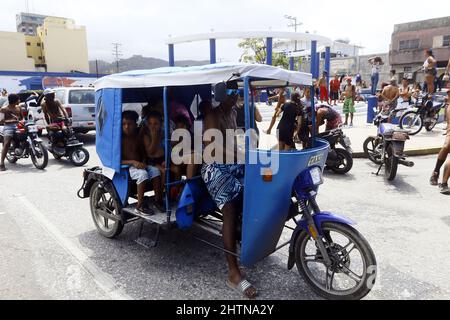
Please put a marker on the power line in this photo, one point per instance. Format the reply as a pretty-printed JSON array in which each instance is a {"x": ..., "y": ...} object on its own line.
[{"x": 117, "y": 53}]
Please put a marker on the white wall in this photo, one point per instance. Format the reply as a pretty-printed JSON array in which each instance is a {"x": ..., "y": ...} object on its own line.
[{"x": 13, "y": 53}]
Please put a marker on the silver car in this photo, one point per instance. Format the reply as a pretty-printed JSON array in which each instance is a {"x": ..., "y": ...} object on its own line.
[{"x": 80, "y": 103}]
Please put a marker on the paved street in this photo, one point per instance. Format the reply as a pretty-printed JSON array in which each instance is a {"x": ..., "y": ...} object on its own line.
[{"x": 51, "y": 250}]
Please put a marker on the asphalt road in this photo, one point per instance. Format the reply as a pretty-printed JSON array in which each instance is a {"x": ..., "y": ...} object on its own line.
[{"x": 51, "y": 250}]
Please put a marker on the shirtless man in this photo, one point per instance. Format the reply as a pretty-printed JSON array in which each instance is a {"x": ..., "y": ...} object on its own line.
[
  {"x": 405, "y": 91},
  {"x": 11, "y": 116},
  {"x": 223, "y": 184},
  {"x": 281, "y": 101},
  {"x": 390, "y": 95},
  {"x": 133, "y": 156},
  {"x": 349, "y": 103},
  {"x": 434, "y": 180}
]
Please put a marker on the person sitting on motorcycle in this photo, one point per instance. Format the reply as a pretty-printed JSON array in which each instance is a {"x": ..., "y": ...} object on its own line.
[
  {"x": 331, "y": 116},
  {"x": 11, "y": 117},
  {"x": 54, "y": 112}
]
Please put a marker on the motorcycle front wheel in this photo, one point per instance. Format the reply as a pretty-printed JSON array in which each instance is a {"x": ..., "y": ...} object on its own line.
[
  {"x": 79, "y": 157},
  {"x": 411, "y": 121},
  {"x": 39, "y": 157},
  {"x": 390, "y": 163},
  {"x": 352, "y": 274},
  {"x": 371, "y": 150}
]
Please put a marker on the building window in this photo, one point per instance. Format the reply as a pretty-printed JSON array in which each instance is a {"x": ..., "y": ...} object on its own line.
[
  {"x": 409, "y": 44},
  {"x": 408, "y": 69},
  {"x": 39, "y": 44},
  {"x": 446, "y": 41},
  {"x": 28, "y": 43},
  {"x": 40, "y": 58}
]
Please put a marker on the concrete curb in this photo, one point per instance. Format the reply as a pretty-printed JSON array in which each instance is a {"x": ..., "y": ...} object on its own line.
[{"x": 410, "y": 153}]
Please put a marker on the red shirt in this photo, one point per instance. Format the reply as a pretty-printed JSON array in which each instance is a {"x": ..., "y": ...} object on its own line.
[{"x": 335, "y": 85}]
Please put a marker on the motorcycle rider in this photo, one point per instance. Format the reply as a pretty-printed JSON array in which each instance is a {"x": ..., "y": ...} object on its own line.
[
  {"x": 53, "y": 112},
  {"x": 12, "y": 116}
]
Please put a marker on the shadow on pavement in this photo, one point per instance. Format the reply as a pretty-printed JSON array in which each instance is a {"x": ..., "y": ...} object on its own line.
[{"x": 181, "y": 267}]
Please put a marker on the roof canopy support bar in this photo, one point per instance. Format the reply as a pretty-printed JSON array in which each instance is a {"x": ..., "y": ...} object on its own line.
[
  {"x": 212, "y": 51},
  {"x": 313, "y": 58},
  {"x": 269, "y": 47},
  {"x": 171, "y": 55}
]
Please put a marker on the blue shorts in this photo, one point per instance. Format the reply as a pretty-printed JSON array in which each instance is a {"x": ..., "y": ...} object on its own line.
[
  {"x": 223, "y": 182},
  {"x": 9, "y": 130}
]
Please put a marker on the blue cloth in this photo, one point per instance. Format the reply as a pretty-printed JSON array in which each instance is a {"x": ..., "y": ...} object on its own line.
[
  {"x": 375, "y": 79},
  {"x": 223, "y": 182},
  {"x": 9, "y": 130}
]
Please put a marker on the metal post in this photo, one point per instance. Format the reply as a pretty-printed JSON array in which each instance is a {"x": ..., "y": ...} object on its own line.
[
  {"x": 269, "y": 51},
  {"x": 313, "y": 58},
  {"x": 171, "y": 55},
  {"x": 212, "y": 51},
  {"x": 167, "y": 147},
  {"x": 328, "y": 65},
  {"x": 317, "y": 66},
  {"x": 313, "y": 116},
  {"x": 291, "y": 64},
  {"x": 247, "y": 117}
]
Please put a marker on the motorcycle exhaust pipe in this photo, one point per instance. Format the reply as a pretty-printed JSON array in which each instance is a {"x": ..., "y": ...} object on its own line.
[{"x": 405, "y": 163}]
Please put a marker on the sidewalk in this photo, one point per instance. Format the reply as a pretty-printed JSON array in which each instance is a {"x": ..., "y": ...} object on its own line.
[{"x": 424, "y": 143}]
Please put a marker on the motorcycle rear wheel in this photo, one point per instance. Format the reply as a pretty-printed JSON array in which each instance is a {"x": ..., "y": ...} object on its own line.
[
  {"x": 79, "y": 157},
  {"x": 390, "y": 164},
  {"x": 11, "y": 159},
  {"x": 411, "y": 121},
  {"x": 430, "y": 126},
  {"x": 345, "y": 162}
]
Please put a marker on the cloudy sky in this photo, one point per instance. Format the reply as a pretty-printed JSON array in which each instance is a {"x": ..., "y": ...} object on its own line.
[{"x": 142, "y": 26}]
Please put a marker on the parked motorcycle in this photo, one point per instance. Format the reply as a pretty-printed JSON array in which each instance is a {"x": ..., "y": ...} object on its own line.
[
  {"x": 339, "y": 160},
  {"x": 27, "y": 144},
  {"x": 426, "y": 115},
  {"x": 65, "y": 144},
  {"x": 387, "y": 148}
]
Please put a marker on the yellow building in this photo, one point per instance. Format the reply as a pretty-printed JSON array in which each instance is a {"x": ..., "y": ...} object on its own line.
[
  {"x": 64, "y": 45},
  {"x": 59, "y": 46},
  {"x": 14, "y": 56},
  {"x": 34, "y": 50}
]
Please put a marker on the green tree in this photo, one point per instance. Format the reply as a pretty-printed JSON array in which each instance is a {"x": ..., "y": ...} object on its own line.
[{"x": 255, "y": 51}]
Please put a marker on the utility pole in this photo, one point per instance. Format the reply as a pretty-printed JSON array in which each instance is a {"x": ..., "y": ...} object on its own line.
[
  {"x": 117, "y": 54},
  {"x": 294, "y": 24}
]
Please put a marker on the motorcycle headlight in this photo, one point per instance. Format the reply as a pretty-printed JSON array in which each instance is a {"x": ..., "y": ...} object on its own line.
[
  {"x": 316, "y": 176},
  {"x": 310, "y": 178}
]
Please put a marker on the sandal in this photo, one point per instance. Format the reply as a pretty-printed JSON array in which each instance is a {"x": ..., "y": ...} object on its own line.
[{"x": 242, "y": 288}]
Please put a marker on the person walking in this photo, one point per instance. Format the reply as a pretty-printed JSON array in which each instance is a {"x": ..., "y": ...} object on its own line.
[{"x": 335, "y": 87}]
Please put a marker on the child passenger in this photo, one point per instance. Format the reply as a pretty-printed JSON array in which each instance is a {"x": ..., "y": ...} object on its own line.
[{"x": 133, "y": 156}]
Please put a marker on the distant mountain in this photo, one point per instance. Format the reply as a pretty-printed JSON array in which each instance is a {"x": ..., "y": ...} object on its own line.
[{"x": 138, "y": 62}]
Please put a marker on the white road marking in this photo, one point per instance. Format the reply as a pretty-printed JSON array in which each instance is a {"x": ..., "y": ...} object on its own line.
[{"x": 102, "y": 279}]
